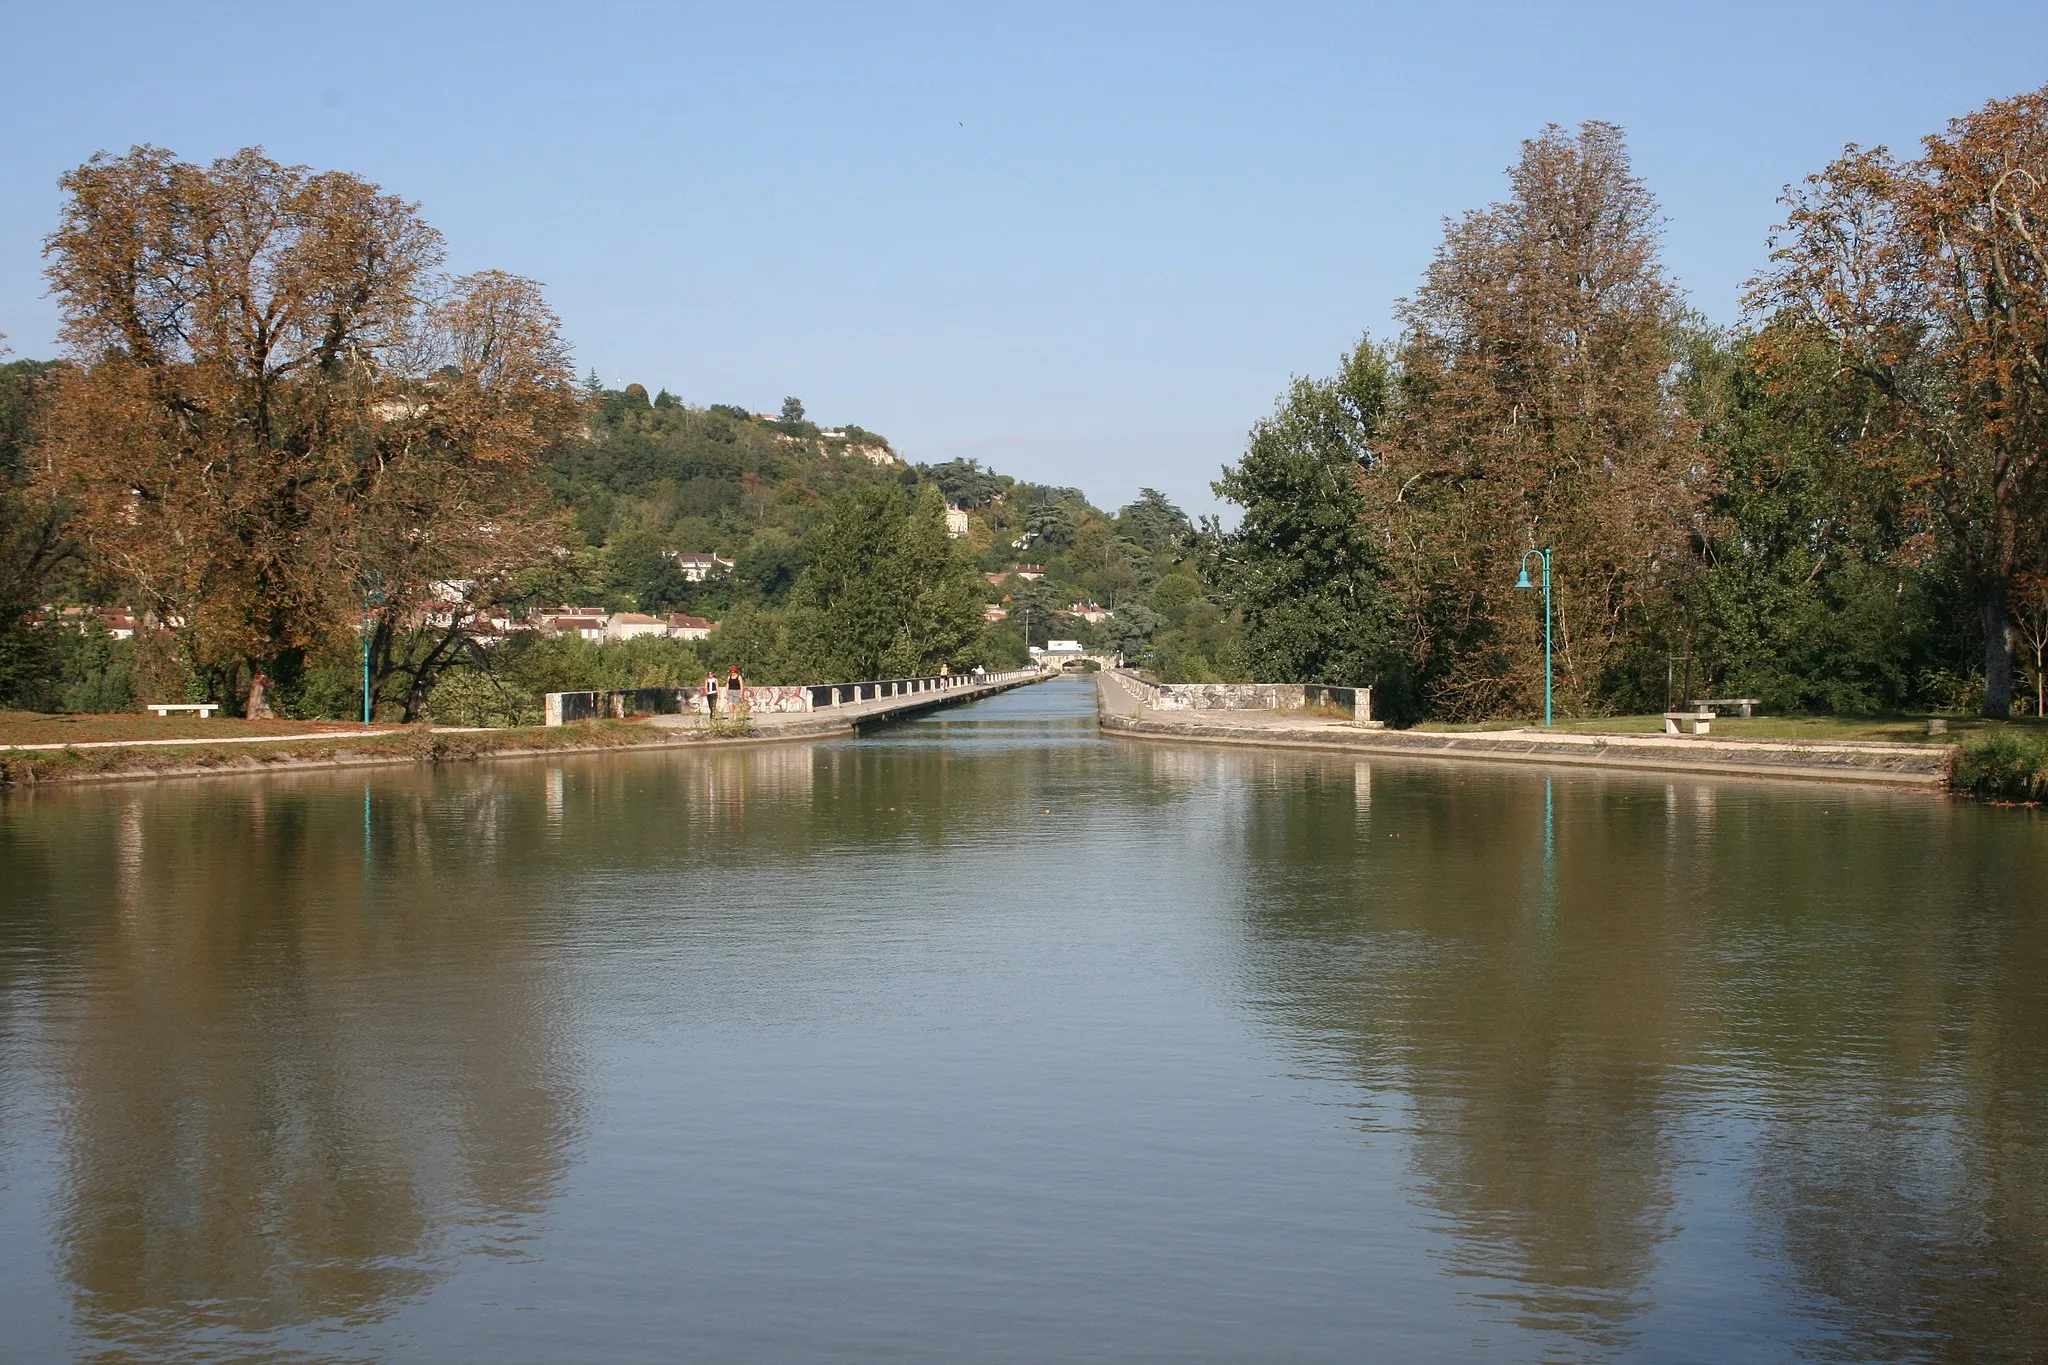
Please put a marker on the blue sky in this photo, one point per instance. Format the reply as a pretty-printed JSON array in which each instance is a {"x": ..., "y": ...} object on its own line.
[{"x": 1087, "y": 244}]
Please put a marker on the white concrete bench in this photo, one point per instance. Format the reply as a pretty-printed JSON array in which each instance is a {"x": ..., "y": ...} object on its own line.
[
  {"x": 1688, "y": 722},
  {"x": 204, "y": 708},
  {"x": 1745, "y": 705}
]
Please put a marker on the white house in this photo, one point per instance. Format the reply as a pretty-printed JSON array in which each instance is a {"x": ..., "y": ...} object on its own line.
[
  {"x": 956, "y": 522},
  {"x": 581, "y": 622},
  {"x": 631, "y": 625},
  {"x": 690, "y": 627},
  {"x": 698, "y": 567}
]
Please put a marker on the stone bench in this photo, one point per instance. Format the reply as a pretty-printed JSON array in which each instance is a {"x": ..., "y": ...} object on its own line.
[
  {"x": 1745, "y": 705},
  {"x": 204, "y": 708},
  {"x": 1688, "y": 722}
]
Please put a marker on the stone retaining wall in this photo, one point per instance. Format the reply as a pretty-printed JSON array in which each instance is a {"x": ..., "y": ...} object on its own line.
[{"x": 1225, "y": 696}]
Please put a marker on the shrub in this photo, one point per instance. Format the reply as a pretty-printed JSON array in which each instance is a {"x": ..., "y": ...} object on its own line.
[{"x": 2001, "y": 765}]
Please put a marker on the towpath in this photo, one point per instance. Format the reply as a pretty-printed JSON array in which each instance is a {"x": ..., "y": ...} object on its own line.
[{"x": 1123, "y": 710}]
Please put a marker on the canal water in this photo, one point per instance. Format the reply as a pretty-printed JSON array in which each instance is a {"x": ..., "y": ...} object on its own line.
[{"x": 991, "y": 1038}]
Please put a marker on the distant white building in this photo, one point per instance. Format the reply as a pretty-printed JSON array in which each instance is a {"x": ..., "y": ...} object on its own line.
[
  {"x": 956, "y": 522},
  {"x": 631, "y": 625},
  {"x": 698, "y": 567},
  {"x": 690, "y": 627},
  {"x": 583, "y": 625}
]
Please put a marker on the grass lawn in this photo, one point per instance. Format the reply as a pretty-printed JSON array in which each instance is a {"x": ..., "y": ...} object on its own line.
[
  {"x": 33, "y": 727},
  {"x": 1820, "y": 729}
]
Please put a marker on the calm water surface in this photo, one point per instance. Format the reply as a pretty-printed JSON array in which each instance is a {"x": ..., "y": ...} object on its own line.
[{"x": 991, "y": 1039}]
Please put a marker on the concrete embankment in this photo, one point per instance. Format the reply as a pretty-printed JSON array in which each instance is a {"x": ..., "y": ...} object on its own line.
[
  {"x": 422, "y": 744},
  {"x": 856, "y": 708},
  {"x": 1123, "y": 710}
]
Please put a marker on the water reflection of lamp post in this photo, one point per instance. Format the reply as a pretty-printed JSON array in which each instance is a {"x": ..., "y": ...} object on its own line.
[{"x": 1523, "y": 582}]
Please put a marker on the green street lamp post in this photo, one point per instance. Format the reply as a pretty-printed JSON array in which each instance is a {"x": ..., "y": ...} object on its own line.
[
  {"x": 1523, "y": 582},
  {"x": 370, "y": 594}
]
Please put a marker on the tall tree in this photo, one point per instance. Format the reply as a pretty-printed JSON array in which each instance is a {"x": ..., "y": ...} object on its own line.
[
  {"x": 276, "y": 403},
  {"x": 1931, "y": 276},
  {"x": 1805, "y": 592},
  {"x": 1303, "y": 565},
  {"x": 33, "y": 543},
  {"x": 1535, "y": 409},
  {"x": 885, "y": 591}
]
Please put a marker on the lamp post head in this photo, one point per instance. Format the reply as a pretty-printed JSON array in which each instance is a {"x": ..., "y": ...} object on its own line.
[{"x": 1523, "y": 581}]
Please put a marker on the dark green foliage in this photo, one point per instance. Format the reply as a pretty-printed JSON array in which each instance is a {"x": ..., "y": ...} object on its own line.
[
  {"x": 1808, "y": 591},
  {"x": 642, "y": 577},
  {"x": 769, "y": 566},
  {"x": 33, "y": 548},
  {"x": 965, "y": 483},
  {"x": 1302, "y": 566},
  {"x": 2003, "y": 765},
  {"x": 886, "y": 592},
  {"x": 1154, "y": 524}
]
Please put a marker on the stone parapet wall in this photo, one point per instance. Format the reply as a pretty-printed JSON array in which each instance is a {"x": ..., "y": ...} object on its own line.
[
  {"x": 1225, "y": 696},
  {"x": 776, "y": 700},
  {"x": 1926, "y": 766}
]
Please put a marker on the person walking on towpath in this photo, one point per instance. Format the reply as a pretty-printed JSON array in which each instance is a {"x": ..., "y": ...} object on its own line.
[
  {"x": 711, "y": 695},
  {"x": 735, "y": 692}
]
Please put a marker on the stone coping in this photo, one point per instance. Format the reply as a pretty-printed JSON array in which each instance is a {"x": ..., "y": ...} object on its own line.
[{"x": 1913, "y": 765}]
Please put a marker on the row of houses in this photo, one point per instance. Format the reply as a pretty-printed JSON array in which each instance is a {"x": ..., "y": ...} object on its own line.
[
  {"x": 1093, "y": 613},
  {"x": 592, "y": 623},
  {"x": 119, "y": 622},
  {"x": 588, "y": 623}
]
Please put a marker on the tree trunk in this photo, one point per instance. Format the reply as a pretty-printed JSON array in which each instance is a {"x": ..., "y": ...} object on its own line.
[
  {"x": 1997, "y": 621},
  {"x": 259, "y": 707}
]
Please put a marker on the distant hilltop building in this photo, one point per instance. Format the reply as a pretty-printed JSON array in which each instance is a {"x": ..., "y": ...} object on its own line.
[
  {"x": 956, "y": 522},
  {"x": 697, "y": 567},
  {"x": 1030, "y": 573},
  {"x": 690, "y": 627}
]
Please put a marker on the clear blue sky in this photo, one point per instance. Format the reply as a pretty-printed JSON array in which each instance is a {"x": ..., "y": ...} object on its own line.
[{"x": 1085, "y": 243}]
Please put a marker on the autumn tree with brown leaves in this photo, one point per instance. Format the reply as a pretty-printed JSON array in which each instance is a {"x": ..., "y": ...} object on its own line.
[
  {"x": 278, "y": 403},
  {"x": 1931, "y": 276},
  {"x": 1535, "y": 409}
]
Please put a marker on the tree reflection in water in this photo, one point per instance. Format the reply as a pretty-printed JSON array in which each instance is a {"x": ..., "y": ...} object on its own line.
[{"x": 1726, "y": 978}]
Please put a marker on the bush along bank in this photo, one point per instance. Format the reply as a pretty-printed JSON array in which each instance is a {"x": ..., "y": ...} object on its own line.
[{"x": 2002, "y": 766}]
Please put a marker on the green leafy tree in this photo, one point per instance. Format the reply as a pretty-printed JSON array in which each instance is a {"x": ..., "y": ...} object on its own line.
[
  {"x": 886, "y": 590},
  {"x": 1302, "y": 565},
  {"x": 1153, "y": 523},
  {"x": 33, "y": 544},
  {"x": 1806, "y": 593}
]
